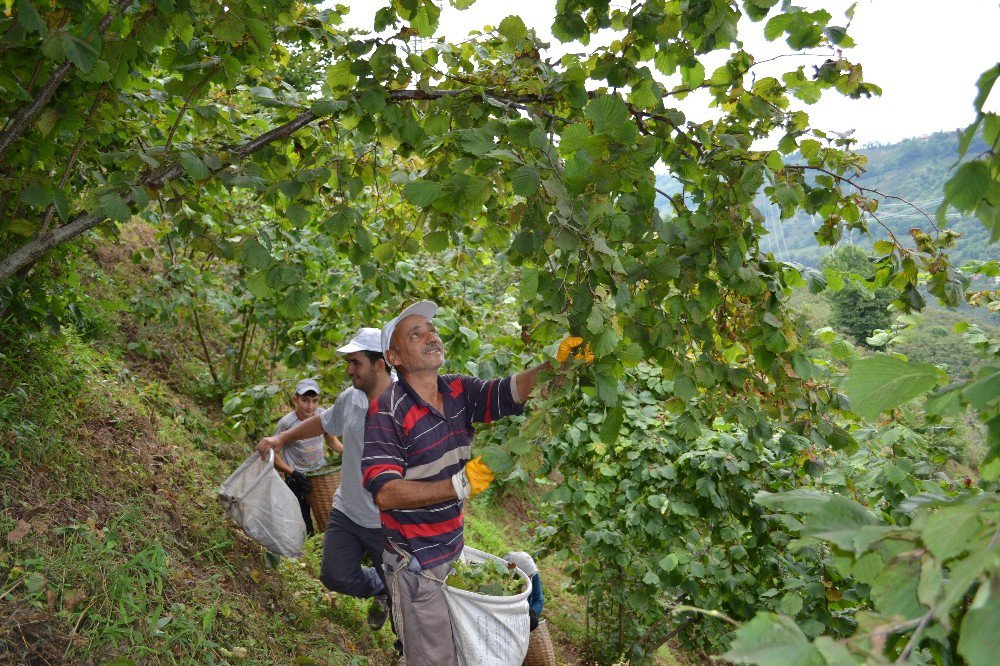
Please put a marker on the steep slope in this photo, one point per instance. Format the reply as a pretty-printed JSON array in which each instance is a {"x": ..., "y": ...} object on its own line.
[
  {"x": 114, "y": 542},
  {"x": 114, "y": 545}
]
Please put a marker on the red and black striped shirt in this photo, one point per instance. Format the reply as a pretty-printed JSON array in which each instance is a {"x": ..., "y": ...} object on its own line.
[{"x": 406, "y": 438}]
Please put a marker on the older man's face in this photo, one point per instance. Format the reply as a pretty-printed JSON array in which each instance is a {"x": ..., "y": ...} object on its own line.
[{"x": 416, "y": 346}]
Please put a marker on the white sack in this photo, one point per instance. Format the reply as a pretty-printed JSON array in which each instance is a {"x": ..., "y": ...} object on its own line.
[
  {"x": 258, "y": 500},
  {"x": 487, "y": 629}
]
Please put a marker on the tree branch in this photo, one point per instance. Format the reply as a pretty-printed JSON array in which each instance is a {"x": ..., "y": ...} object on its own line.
[
  {"x": 915, "y": 638},
  {"x": 51, "y": 210},
  {"x": 887, "y": 230},
  {"x": 881, "y": 631},
  {"x": 862, "y": 188},
  {"x": 204, "y": 345},
  {"x": 187, "y": 103},
  {"x": 26, "y": 115},
  {"x": 33, "y": 250},
  {"x": 669, "y": 198},
  {"x": 30, "y": 252},
  {"x": 676, "y": 610}
]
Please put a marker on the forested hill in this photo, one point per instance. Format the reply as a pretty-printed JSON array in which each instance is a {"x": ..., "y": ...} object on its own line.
[{"x": 913, "y": 169}]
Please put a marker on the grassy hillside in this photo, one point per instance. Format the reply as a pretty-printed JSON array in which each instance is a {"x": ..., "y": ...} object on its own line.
[
  {"x": 932, "y": 341},
  {"x": 115, "y": 544}
]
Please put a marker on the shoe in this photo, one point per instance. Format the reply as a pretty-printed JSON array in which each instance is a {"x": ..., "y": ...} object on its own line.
[{"x": 378, "y": 612}]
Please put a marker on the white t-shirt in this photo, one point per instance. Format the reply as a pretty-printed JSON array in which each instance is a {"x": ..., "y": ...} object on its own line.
[{"x": 346, "y": 419}]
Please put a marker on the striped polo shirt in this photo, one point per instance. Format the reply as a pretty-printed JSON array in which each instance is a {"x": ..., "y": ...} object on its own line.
[{"x": 406, "y": 438}]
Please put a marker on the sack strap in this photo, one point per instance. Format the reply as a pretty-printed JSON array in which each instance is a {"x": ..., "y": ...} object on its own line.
[{"x": 394, "y": 589}]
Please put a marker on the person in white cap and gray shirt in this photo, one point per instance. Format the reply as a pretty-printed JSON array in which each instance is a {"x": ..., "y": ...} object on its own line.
[
  {"x": 353, "y": 528},
  {"x": 301, "y": 454}
]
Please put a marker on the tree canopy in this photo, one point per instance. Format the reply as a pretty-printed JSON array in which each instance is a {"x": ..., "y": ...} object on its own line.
[{"x": 295, "y": 170}]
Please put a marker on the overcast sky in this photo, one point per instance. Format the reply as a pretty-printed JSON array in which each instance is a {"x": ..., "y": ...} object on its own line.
[{"x": 925, "y": 54}]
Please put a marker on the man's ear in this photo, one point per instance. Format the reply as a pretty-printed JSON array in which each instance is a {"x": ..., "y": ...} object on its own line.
[{"x": 392, "y": 356}]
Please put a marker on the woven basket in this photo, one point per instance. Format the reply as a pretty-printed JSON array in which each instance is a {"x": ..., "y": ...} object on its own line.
[
  {"x": 325, "y": 482},
  {"x": 540, "y": 649}
]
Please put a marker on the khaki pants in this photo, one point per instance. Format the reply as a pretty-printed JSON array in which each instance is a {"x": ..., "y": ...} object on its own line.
[{"x": 420, "y": 612}]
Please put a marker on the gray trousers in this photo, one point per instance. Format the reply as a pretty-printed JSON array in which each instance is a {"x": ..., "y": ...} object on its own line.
[
  {"x": 344, "y": 544},
  {"x": 420, "y": 612}
]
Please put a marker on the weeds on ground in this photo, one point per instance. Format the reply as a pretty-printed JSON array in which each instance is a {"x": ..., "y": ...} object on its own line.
[
  {"x": 342, "y": 617},
  {"x": 114, "y": 545}
]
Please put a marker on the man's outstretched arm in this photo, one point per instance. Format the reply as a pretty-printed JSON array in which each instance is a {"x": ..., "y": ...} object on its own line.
[
  {"x": 524, "y": 381},
  {"x": 311, "y": 427}
]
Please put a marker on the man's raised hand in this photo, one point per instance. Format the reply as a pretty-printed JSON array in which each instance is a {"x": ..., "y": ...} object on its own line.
[{"x": 571, "y": 343}]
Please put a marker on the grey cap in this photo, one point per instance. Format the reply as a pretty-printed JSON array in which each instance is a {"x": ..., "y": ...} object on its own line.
[
  {"x": 366, "y": 339},
  {"x": 425, "y": 308},
  {"x": 307, "y": 385}
]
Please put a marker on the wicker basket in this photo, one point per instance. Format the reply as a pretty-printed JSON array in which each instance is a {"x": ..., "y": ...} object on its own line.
[
  {"x": 540, "y": 649},
  {"x": 325, "y": 481}
]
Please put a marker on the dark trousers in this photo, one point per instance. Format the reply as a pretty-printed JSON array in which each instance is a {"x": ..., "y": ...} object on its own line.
[
  {"x": 301, "y": 495},
  {"x": 344, "y": 545}
]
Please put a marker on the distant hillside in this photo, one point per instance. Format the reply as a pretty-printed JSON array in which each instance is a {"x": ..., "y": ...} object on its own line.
[{"x": 914, "y": 169}]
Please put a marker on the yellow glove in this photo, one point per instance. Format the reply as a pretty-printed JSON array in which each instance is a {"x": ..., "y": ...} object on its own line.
[
  {"x": 480, "y": 476},
  {"x": 474, "y": 478},
  {"x": 570, "y": 343}
]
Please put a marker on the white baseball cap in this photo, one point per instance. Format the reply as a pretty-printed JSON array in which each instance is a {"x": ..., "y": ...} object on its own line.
[
  {"x": 307, "y": 385},
  {"x": 366, "y": 339},
  {"x": 424, "y": 308}
]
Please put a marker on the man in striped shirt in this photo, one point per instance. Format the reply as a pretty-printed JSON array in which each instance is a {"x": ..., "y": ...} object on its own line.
[{"x": 418, "y": 443}]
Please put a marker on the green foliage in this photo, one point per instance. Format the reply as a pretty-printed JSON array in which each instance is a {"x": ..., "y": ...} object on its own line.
[
  {"x": 929, "y": 571},
  {"x": 975, "y": 185},
  {"x": 882, "y": 382},
  {"x": 662, "y": 517},
  {"x": 480, "y": 173},
  {"x": 860, "y": 307},
  {"x": 929, "y": 581},
  {"x": 518, "y": 191},
  {"x": 492, "y": 578}
]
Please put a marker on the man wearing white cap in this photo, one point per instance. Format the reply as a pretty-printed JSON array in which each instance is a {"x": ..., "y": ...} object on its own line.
[
  {"x": 300, "y": 454},
  {"x": 417, "y": 466},
  {"x": 353, "y": 528}
]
